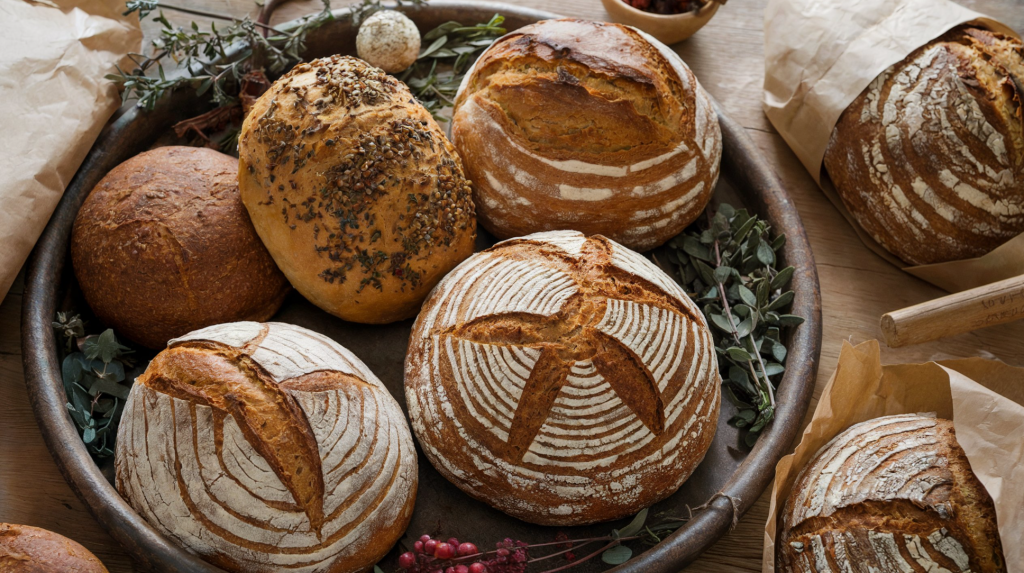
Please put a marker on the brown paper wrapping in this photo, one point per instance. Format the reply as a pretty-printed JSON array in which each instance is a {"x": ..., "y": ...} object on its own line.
[
  {"x": 819, "y": 56},
  {"x": 52, "y": 61},
  {"x": 984, "y": 398}
]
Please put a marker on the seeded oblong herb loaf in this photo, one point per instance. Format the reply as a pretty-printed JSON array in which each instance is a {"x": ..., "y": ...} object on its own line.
[
  {"x": 163, "y": 246},
  {"x": 929, "y": 158},
  {"x": 591, "y": 126},
  {"x": 354, "y": 189},
  {"x": 562, "y": 379},
  {"x": 267, "y": 447},
  {"x": 25, "y": 549},
  {"x": 891, "y": 495}
]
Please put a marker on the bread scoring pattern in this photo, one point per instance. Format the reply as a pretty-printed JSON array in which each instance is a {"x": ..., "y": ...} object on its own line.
[
  {"x": 929, "y": 159},
  {"x": 596, "y": 127},
  {"x": 267, "y": 446},
  {"x": 893, "y": 494},
  {"x": 563, "y": 379}
]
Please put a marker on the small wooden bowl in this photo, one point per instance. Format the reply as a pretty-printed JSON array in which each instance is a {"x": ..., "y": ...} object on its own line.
[{"x": 667, "y": 28}]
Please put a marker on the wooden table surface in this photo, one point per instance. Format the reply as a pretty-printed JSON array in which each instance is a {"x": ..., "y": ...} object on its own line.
[{"x": 857, "y": 287}]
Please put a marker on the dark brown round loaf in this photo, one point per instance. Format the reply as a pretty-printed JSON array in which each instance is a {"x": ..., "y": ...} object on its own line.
[
  {"x": 890, "y": 495},
  {"x": 25, "y": 549},
  {"x": 929, "y": 159},
  {"x": 163, "y": 246}
]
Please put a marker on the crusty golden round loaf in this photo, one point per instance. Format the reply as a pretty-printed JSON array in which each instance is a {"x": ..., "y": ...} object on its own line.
[
  {"x": 562, "y": 379},
  {"x": 890, "y": 495},
  {"x": 596, "y": 127},
  {"x": 25, "y": 549},
  {"x": 929, "y": 159},
  {"x": 267, "y": 447},
  {"x": 163, "y": 246},
  {"x": 354, "y": 189}
]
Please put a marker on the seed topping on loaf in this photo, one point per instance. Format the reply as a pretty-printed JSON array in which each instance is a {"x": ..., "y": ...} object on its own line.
[{"x": 363, "y": 161}]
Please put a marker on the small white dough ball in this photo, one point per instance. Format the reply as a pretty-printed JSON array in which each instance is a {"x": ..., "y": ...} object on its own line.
[{"x": 388, "y": 40}]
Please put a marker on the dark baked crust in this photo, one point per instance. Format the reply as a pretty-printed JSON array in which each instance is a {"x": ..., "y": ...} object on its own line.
[
  {"x": 929, "y": 158},
  {"x": 590, "y": 126},
  {"x": 583, "y": 393},
  {"x": 889, "y": 495},
  {"x": 163, "y": 246},
  {"x": 25, "y": 549},
  {"x": 267, "y": 447},
  {"x": 355, "y": 190}
]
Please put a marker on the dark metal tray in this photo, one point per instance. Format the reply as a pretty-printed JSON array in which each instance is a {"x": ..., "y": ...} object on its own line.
[{"x": 729, "y": 468}]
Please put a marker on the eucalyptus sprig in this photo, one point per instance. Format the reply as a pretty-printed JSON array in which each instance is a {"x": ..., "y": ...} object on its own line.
[
  {"x": 94, "y": 378},
  {"x": 729, "y": 265},
  {"x": 436, "y": 75}
]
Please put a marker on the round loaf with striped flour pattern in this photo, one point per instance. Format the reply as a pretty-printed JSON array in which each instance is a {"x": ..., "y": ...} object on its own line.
[
  {"x": 929, "y": 159},
  {"x": 591, "y": 126},
  {"x": 562, "y": 379},
  {"x": 267, "y": 447},
  {"x": 890, "y": 495}
]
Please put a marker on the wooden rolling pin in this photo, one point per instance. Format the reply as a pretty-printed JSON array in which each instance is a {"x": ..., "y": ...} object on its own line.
[{"x": 987, "y": 305}]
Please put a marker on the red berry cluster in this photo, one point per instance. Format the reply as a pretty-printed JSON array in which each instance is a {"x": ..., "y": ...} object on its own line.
[{"x": 434, "y": 556}]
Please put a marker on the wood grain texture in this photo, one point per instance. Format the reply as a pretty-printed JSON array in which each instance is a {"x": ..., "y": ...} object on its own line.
[{"x": 727, "y": 58}]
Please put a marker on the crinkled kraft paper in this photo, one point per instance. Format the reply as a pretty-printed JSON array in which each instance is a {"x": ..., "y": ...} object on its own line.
[
  {"x": 984, "y": 398},
  {"x": 821, "y": 54},
  {"x": 53, "y": 56}
]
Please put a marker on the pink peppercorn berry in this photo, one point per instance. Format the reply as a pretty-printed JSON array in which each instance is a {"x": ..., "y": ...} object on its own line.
[
  {"x": 430, "y": 546},
  {"x": 418, "y": 546},
  {"x": 453, "y": 542},
  {"x": 444, "y": 551},
  {"x": 467, "y": 549},
  {"x": 407, "y": 560},
  {"x": 478, "y": 568}
]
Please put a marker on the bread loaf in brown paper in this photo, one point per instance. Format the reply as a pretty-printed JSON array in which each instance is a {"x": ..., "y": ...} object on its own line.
[
  {"x": 591, "y": 126},
  {"x": 562, "y": 379},
  {"x": 163, "y": 246},
  {"x": 355, "y": 190},
  {"x": 890, "y": 495},
  {"x": 267, "y": 447},
  {"x": 25, "y": 549},
  {"x": 929, "y": 158}
]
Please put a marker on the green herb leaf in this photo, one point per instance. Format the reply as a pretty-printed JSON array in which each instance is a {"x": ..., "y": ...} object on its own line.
[
  {"x": 617, "y": 555},
  {"x": 634, "y": 526}
]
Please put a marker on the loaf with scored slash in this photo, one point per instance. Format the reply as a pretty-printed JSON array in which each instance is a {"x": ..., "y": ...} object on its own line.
[
  {"x": 590, "y": 126},
  {"x": 562, "y": 379},
  {"x": 890, "y": 495},
  {"x": 267, "y": 447},
  {"x": 929, "y": 158}
]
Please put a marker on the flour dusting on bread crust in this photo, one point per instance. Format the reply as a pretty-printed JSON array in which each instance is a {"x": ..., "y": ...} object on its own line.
[{"x": 562, "y": 379}]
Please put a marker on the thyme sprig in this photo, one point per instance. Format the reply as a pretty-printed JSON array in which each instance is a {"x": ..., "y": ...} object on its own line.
[
  {"x": 447, "y": 53},
  {"x": 203, "y": 55},
  {"x": 729, "y": 265},
  {"x": 93, "y": 370}
]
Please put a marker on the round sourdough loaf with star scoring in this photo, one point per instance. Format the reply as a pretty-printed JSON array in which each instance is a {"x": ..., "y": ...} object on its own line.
[
  {"x": 591, "y": 126},
  {"x": 891, "y": 495},
  {"x": 354, "y": 189},
  {"x": 929, "y": 158},
  {"x": 267, "y": 447},
  {"x": 562, "y": 379},
  {"x": 26, "y": 549}
]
